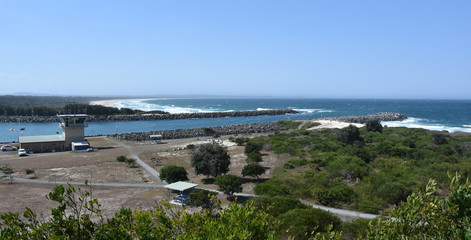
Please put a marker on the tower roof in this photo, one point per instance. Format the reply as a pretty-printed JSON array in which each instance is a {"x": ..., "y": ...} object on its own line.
[{"x": 72, "y": 115}]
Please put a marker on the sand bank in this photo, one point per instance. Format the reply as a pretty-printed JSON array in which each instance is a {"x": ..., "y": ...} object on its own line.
[
  {"x": 333, "y": 124},
  {"x": 107, "y": 103}
]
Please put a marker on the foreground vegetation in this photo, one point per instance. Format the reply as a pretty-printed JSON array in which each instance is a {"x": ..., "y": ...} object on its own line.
[
  {"x": 77, "y": 215},
  {"x": 364, "y": 169}
]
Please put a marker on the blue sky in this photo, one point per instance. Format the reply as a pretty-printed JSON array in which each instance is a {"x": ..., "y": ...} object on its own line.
[{"x": 319, "y": 49}]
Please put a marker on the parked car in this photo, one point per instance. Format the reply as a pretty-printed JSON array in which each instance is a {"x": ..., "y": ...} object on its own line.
[
  {"x": 183, "y": 199},
  {"x": 8, "y": 148},
  {"x": 22, "y": 152}
]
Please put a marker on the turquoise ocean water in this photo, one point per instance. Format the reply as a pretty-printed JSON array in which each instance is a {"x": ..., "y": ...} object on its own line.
[{"x": 449, "y": 115}]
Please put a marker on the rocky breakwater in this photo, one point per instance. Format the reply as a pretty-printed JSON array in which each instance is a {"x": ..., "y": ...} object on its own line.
[
  {"x": 383, "y": 116},
  {"x": 177, "y": 116},
  {"x": 144, "y": 117},
  {"x": 201, "y": 132}
]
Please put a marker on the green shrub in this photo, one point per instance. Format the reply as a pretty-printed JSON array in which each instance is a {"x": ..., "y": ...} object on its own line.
[
  {"x": 286, "y": 124},
  {"x": 173, "y": 173},
  {"x": 439, "y": 138},
  {"x": 305, "y": 223},
  {"x": 355, "y": 229},
  {"x": 253, "y": 170},
  {"x": 201, "y": 198},
  {"x": 254, "y": 157},
  {"x": 253, "y": 146},
  {"x": 350, "y": 135},
  {"x": 121, "y": 158},
  {"x": 271, "y": 188},
  {"x": 334, "y": 196},
  {"x": 374, "y": 126},
  {"x": 393, "y": 192},
  {"x": 311, "y": 124},
  {"x": 278, "y": 205}
]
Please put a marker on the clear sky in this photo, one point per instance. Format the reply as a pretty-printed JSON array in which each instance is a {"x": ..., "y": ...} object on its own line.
[{"x": 316, "y": 48}]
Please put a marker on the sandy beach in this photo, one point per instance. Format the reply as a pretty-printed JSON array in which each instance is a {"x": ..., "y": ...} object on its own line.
[
  {"x": 333, "y": 124},
  {"x": 107, "y": 103}
]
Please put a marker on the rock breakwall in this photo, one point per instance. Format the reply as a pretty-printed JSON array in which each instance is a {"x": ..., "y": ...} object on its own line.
[
  {"x": 246, "y": 128},
  {"x": 200, "y": 132},
  {"x": 383, "y": 116},
  {"x": 145, "y": 117}
]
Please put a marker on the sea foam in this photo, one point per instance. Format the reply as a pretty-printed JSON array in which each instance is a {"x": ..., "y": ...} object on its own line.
[{"x": 425, "y": 124}]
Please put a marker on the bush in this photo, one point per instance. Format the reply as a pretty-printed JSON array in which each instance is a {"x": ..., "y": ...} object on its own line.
[
  {"x": 210, "y": 159},
  {"x": 253, "y": 147},
  {"x": 374, "y": 126},
  {"x": 209, "y": 131},
  {"x": 305, "y": 223},
  {"x": 253, "y": 170},
  {"x": 348, "y": 168},
  {"x": 254, "y": 157},
  {"x": 272, "y": 187},
  {"x": 121, "y": 158},
  {"x": 334, "y": 196},
  {"x": 239, "y": 141},
  {"x": 229, "y": 184},
  {"x": 439, "y": 138},
  {"x": 131, "y": 162},
  {"x": 286, "y": 124},
  {"x": 173, "y": 174},
  {"x": 201, "y": 198},
  {"x": 393, "y": 192},
  {"x": 278, "y": 205},
  {"x": 355, "y": 229},
  {"x": 350, "y": 135}
]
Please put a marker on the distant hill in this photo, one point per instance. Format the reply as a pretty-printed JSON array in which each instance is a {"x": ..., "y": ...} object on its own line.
[{"x": 48, "y": 101}]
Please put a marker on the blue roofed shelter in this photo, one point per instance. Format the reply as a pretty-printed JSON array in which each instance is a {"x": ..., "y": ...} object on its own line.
[{"x": 72, "y": 125}]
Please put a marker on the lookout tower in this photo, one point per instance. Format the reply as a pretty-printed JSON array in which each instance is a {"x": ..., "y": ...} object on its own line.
[{"x": 73, "y": 127}]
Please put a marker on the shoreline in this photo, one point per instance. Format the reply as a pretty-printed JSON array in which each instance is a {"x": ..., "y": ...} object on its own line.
[
  {"x": 333, "y": 122},
  {"x": 107, "y": 103}
]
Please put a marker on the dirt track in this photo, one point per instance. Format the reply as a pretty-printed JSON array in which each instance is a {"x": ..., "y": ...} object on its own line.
[{"x": 101, "y": 167}]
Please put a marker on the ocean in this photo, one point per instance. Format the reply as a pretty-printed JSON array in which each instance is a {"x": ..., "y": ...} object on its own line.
[{"x": 440, "y": 115}]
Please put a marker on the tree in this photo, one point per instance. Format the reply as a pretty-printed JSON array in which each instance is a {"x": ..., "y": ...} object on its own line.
[
  {"x": 121, "y": 158},
  {"x": 254, "y": 157},
  {"x": 374, "y": 126},
  {"x": 253, "y": 170},
  {"x": 78, "y": 216},
  {"x": 277, "y": 205},
  {"x": 131, "y": 162},
  {"x": 229, "y": 184},
  {"x": 6, "y": 173},
  {"x": 173, "y": 174},
  {"x": 439, "y": 138},
  {"x": 253, "y": 146},
  {"x": 305, "y": 223},
  {"x": 427, "y": 216},
  {"x": 201, "y": 198},
  {"x": 350, "y": 135},
  {"x": 210, "y": 159}
]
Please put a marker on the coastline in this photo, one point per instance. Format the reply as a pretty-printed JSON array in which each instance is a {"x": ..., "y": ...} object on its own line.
[
  {"x": 107, "y": 103},
  {"x": 325, "y": 124}
]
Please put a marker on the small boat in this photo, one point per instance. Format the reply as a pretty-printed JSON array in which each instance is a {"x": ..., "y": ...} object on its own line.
[{"x": 22, "y": 129}]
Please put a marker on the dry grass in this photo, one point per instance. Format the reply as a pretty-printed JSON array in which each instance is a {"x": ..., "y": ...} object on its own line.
[{"x": 101, "y": 166}]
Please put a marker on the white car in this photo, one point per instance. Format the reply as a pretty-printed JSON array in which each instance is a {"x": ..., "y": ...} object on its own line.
[
  {"x": 8, "y": 148},
  {"x": 22, "y": 152}
]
